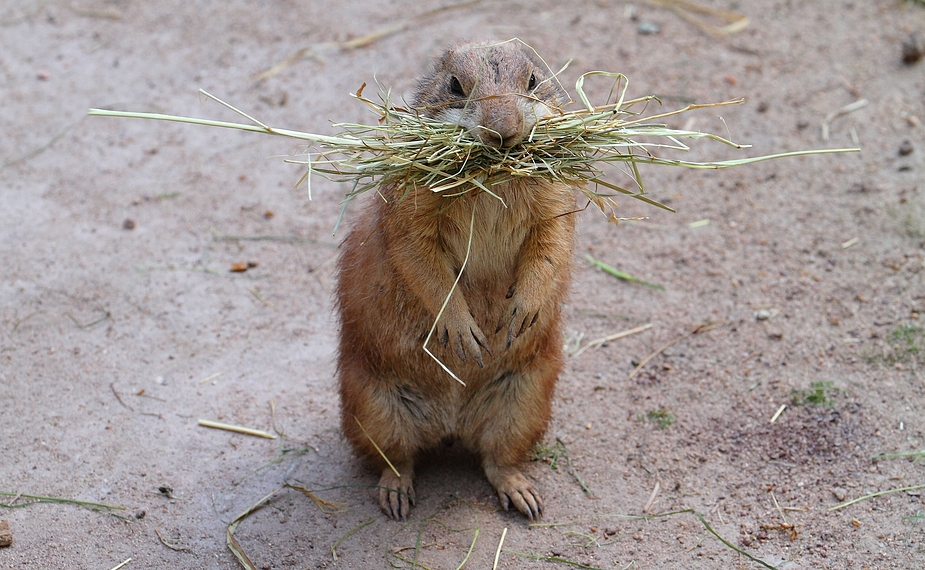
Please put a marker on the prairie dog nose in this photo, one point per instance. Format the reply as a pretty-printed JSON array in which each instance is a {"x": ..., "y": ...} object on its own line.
[{"x": 502, "y": 123}]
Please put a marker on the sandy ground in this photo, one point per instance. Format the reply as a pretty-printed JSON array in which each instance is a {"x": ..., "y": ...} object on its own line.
[{"x": 115, "y": 341}]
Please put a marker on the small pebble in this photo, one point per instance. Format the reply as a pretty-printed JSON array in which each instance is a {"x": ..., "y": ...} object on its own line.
[
  {"x": 647, "y": 28},
  {"x": 839, "y": 493},
  {"x": 763, "y": 315},
  {"x": 906, "y": 148},
  {"x": 763, "y": 107},
  {"x": 128, "y": 224},
  {"x": 913, "y": 48}
]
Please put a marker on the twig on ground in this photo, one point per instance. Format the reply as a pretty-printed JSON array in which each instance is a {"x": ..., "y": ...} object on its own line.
[
  {"x": 106, "y": 315},
  {"x": 699, "y": 328},
  {"x": 24, "y": 319},
  {"x": 272, "y": 405},
  {"x": 859, "y": 104},
  {"x": 598, "y": 342},
  {"x": 877, "y": 494},
  {"x": 651, "y": 502},
  {"x": 572, "y": 471},
  {"x": 779, "y": 510},
  {"x": 112, "y": 386},
  {"x": 259, "y": 296},
  {"x": 236, "y": 429},
  {"x": 316, "y": 50},
  {"x": 620, "y": 274},
  {"x": 558, "y": 559},
  {"x": 39, "y": 150},
  {"x": 44, "y": 499},
  {"x": 122, "y": 564},
  {"x": 327, "y": 507},
  {"x": 232, "y": 542},
  {"x": 894, "y": 455},
  {"x": 212, "y": 377},
  {"x": 851, "y": 242},
  {"x": 169, "y": 545},
  {"x": 272, "y": 238},
  {"x": 777, "y": 414},
  {"x": 498, "y": 552},
  {"x": 686, "y": 10},
  {"x": 697, "y": 514},
  {"x": 348, "y": 533}
]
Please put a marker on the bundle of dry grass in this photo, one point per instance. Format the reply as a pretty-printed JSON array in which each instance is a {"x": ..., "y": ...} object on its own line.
[{"x": 407, "y": 148}]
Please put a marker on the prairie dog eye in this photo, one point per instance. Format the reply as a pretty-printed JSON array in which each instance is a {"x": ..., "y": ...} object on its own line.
[
  {"x": 456, "y": 87},
  {"x": 532, "y": 83}
]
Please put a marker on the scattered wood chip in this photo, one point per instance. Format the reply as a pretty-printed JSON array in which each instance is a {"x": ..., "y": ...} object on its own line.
[
  {"x": 241, "y": 267},
  {"x": 6, "y": 535},
  {"x": 212, "y": 377},
  {"x": 699, "y": 224},
  {"x": 851, "y": 242}
]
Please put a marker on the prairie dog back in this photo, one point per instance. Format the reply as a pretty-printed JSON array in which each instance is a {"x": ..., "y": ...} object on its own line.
[{"x": 499, "y": 331}]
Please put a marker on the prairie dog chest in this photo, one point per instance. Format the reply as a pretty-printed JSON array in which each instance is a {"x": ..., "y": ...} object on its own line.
[{"x": 500, "y": 231}]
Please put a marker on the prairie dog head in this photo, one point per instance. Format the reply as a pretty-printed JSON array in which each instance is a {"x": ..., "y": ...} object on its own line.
[{"x": 495, "y": 90}]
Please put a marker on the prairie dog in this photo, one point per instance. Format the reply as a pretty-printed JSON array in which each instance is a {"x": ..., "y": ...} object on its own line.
[{"x": 500, "y": 330}]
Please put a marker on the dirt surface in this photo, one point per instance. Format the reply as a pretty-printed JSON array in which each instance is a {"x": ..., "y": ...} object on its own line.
[{"x": 121, "y": 325}]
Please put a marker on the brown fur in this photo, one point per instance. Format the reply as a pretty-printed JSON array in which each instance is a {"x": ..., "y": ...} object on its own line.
[{"x": 500, "y": 332}]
